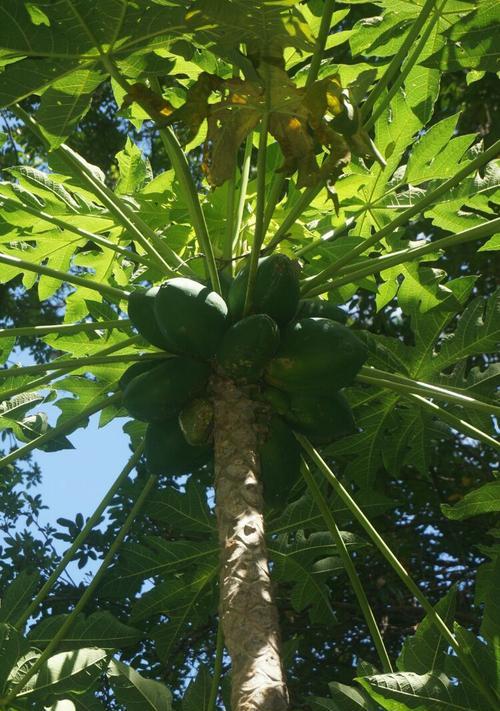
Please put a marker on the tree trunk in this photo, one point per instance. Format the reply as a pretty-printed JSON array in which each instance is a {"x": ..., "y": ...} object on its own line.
[{"x": 247, "y": 610}]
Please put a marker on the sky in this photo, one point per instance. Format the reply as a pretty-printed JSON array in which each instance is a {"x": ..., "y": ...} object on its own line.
[{"x": 75, "y": 480}]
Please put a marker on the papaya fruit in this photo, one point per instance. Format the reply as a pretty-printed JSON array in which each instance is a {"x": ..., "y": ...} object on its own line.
[
  {"x": 191, "y": 317},
  {"x": 322, "y": 419},
  {"x": 247, "y": 346},
  {"x": 316, "y": 355},
  {"x": 162, "y": 391},
  {"x": 196, "y": 420},
  {"x": 167, "y": 451},
  {"x": 279, "y": 400},
  {"x": 136, "y": 369},
  {"x": 141, "y": 313},
  {"x": 279, "y": 460},
  {"x": 276, "y": 289},
  {"x": 320, "y": 308}
]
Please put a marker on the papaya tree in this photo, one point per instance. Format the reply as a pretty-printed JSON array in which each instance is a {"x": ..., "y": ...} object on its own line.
[{"x": 212, "y": 304}]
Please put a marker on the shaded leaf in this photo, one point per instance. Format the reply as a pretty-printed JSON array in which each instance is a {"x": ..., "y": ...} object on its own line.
[
  {"x": 100, "y": 629},
  {"x": 484, "y": 500},
  {"x": 137, "y": 692}
]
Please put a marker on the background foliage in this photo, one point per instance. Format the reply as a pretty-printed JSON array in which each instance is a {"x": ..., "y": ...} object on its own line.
[{"x": 424, "y": 479}]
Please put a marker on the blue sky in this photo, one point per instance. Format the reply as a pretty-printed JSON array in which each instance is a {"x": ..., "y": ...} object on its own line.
[{"x": 75, "y": 480}]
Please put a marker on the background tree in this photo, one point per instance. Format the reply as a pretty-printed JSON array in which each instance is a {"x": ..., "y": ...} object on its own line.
[{"x": 395, "y": 304}]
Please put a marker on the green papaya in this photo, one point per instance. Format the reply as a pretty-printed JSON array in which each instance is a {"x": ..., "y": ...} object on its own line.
[
  {"x": 247, "y": 347},
  {"x": 191, "y": 317},
  {"x": 196, "y": 420},
  {"x": 167, "y": 451},
  {"x": 316, "y": 355},
  {"x": 322, "y": 419},
  {"x": 276, "y": 290},
  {"x": 320, "y": 308},
  {"x": 141, "y": 313},
  {"x": 142, "y": 366},
  {"x": 279, "y": 460},
  {"x": 279, "y": 400},
  {"x": 161, "y": 392}
]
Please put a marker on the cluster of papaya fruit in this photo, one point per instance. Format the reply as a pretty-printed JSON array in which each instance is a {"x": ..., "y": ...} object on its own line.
[{"x": 298, "y": 353}]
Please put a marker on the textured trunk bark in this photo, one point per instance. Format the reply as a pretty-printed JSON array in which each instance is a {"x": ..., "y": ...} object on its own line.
[{"x": 247, "y": 610}]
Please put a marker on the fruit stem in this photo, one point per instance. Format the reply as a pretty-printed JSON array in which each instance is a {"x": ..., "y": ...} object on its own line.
[{"x": 259, "y": 210}]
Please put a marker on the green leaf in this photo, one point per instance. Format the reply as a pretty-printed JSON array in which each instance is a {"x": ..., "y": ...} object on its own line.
[
  {"x": 436, "y": 154},
  {"x": 134, "y": 171},
  {"x": 344, "y": 698},
  {"x": 478, "y": 331},
  {"x": 78, "y": 702},
  {"x": 65, "y": 103},
  {"x": 492, "y": 245},
  {"x": 471, "y": 42},
  {"x": 183, "y": 512},
  {"x": 100, "y": 629},
  {"x": 422, "y": 85},
  {"x": 18, "y": 596},
  {"x": 12, "y": 646},
  {"x": 156, "y": 556},
  {"x": 270, "y": 24},
  {"x": 487, "y": 586},
  {"x": 306, "y": 563},
  {"x": 66, "y": 672},
  {"x": 486, "y": 658},
  {"x": 137, "y": 692},
  {"x": 484, "y": 500},
  {"x": 198, "y": 691},
  {"x": 426, "y": 650},
  {"x": 31, "y": 76},
  {"x": 418, "y": 692}
]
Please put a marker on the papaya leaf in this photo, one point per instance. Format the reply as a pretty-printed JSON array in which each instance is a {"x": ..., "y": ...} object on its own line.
[
  {"x": 266, "y": 25},
  {"x": 134, "y": 171},
  {"x": 298, "y": 563},
  {"x": 65, "y": 103},
  {"x": 426, "y": 650},
  {"x": 184, "y": 513},
  {"x": 484, "y": 500},
  {"x": 78, "y": 702},
  {"x": 344, "y": 698},
  {"x": 18, "y": 596},
  {"x": 386, "y": 417},
  {"x": 470, "y": 41},
  {"x": 12, "y": 647},
  {"x": 406, "y": 690},
  {"x": 198, "y": 692},
  {"x": 137, "y": 692},
  {"x": 74, "y": 671},
  {"x": 186, "y": 603},
  {"x": 100, "y": 629},
  {"x": 155, "y": 556},
  {"x": 485, "y": 656},
  {"x": 487, "y": 593}
]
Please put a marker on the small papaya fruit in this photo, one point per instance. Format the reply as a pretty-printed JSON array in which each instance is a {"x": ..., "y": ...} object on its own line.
[
  {"x": 141, "y": 313},
  {"x": 191, "y": 317},
  {"x": 316, "y": 355},
  {"x": 322, "y": 419},
  {"x": 161, "y": 392},
  {"x": 247, "y": 346},
  {"x": 321, "y": 308},
  {"x": 142, "y": 366},
  {"x": 167, "y": 451},
  {"x": 279, "y": 460},
  {"x": 276, "y": 290},
  {"x": 196, "y": 420}
]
